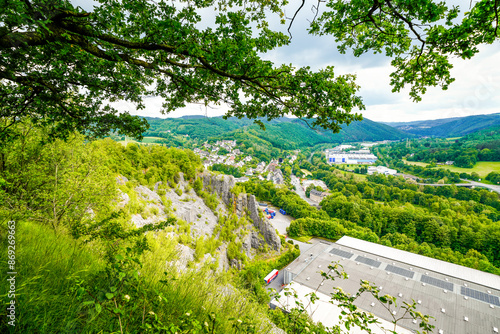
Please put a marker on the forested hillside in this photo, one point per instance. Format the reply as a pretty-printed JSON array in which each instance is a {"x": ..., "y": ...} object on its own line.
[
  {"x": 450, "y": 223},
  {"x": 127, "y": 239},
  {"x": 449, "y": 127},
  {"x": 283, "y": 133}
]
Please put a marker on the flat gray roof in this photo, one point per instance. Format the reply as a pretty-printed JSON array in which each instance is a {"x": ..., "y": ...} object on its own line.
[
  {"x": 440, "y": 295},
  {"x": 446, "y": 268}
]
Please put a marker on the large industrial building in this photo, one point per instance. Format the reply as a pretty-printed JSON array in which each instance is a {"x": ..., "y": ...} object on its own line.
[
  {"x": 381, "y": 170},
  {"x": 461, "y": 300},
  {"x": 335, "y": 156}
]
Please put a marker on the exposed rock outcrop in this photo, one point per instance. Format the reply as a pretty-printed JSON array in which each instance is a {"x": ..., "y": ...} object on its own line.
[{"x": 222, "y": 185}]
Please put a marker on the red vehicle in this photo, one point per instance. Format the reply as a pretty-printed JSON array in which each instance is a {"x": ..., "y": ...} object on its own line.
[{"x": 271, "y": 276}]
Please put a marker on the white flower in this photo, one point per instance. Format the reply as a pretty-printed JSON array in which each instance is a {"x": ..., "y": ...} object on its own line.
[{"x": 126, "y": 297}]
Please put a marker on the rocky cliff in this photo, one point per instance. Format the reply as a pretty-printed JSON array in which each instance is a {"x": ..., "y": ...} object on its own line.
[{"x": 243, "y": 203}]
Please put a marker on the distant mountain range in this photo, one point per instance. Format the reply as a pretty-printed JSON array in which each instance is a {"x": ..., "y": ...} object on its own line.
[
  {"x": 448, "y": 127},
  {"x": 285, "y": 133}
]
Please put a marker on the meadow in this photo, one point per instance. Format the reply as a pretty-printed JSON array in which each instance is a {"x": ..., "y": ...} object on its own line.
[{"x": 482, "y": 168}]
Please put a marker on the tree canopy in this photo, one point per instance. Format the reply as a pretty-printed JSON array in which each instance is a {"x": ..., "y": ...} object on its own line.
[
  {"x": 63, "y": 65},
  {"x": 420, "y": 36}
]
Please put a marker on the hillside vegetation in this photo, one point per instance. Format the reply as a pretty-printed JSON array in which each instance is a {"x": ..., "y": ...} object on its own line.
[
  {"x": 297, "y": 132},
  {"x": 449, "y": 127},
  {"x": 126, "y": 239}
]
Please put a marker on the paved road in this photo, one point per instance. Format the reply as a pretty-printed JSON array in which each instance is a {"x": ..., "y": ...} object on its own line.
[
  {"x": 489, "y": 186},
  {"x": 469, "y": 184},
  {"x": 300, "y": 190}
]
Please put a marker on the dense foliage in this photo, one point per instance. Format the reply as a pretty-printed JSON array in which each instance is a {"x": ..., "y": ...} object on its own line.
[
  {"x": 421, "y": 38},
  {"x": 204, "y": 128},
  {"x": 126, "y": 50},
  {"x": 427, "y": 174},
  {"x": 82, "y": 266},
  {"x": 450, "y": 218},
  {"x": 464, "y": 152},
  {"x": 451, "y": 223}
]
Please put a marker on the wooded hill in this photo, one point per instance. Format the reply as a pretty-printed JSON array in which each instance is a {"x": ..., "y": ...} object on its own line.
[
  {"x": 283, "y": 133},
  {"x": 448, "y": 127}
]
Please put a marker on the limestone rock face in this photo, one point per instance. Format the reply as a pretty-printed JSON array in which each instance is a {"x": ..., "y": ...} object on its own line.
[
  {"x": 147, "y": 194},
  {"x": 262, "y": 224},
  {"x": 222, "y": 185}
]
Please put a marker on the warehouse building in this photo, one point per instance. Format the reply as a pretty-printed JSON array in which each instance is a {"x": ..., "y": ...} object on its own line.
[
  {"x": 461, "y": 300},
  {"x": 381, "y": 170},
  {"x": 355, "y": 157}
]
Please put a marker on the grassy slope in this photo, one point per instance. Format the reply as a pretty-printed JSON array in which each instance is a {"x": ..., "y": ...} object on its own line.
[{"x": 49, "y": 267}]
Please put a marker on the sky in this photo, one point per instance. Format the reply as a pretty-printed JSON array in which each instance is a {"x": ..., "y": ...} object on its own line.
[{"x": 475, "y": 91}]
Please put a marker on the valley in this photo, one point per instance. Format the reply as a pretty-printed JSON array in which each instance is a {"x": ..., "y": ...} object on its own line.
[{"x": 190, "y": 208}]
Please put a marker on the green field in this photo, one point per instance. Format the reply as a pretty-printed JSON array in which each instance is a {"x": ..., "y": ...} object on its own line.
[
  {"x": 415, "y": 163},
  {"x": 150, "y": 140},
  {"x": 357, "y": 177},
  {"x": 482, "y": 168}
]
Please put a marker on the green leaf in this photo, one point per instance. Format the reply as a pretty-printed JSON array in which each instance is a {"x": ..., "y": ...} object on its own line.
[
  {"x": 98, "y": 307},
  {"x": 109, "y": 295}
]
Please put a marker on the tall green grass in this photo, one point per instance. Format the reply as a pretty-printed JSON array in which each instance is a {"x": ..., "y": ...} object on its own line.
[{"x": 50, "y": 266}]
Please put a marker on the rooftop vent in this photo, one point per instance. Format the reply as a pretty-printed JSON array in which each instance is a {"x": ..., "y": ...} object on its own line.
[
  {"x": 492, "y": 306},
  {"x": 319, "y": 266},
  {"x": 414, "y": 321},
  {"x": 372, "y": 304},
  {"x": 443, "y": 310},
  {"x": 465, "y": 297},
  {"x": 440, "y": 331},
  {"x": 400, "y": 295},
  {"x": 495, "y": 330},
  {"x": 394, "y": 312},
  {"x": 466, "y": 318},
  {"x": 465, "y": 284},
  {"x": 419, "y": 301},
  {"x": 445, "y": 291},
  {"x": 489, "y": 291},
  {"x": 308, "y": 278},
  {"x": 423, "y": 284}
]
